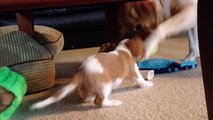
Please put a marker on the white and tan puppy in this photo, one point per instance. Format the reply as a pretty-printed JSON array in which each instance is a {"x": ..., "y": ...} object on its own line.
[
  {"x": 100, "y": 73},
  {"x": 159, "y": 19}
]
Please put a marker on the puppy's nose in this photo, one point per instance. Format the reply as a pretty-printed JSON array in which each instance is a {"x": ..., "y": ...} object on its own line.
[{"x": 138, "y": 27}]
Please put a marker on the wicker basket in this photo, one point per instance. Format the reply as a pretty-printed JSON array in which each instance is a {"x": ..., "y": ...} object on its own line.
[{"x": 34, "y": 59}]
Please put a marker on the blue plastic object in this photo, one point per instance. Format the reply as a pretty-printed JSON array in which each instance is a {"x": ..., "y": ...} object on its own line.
[{"x": 161, "y": 65}]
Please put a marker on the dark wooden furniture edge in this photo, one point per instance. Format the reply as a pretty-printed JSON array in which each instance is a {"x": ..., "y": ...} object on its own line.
[
  {"x": 17, "y": 5},
  {"x": 205, "y": 26}
]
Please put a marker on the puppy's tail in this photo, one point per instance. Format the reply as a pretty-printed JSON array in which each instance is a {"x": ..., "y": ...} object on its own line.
[{"x": 58, "y": 95}]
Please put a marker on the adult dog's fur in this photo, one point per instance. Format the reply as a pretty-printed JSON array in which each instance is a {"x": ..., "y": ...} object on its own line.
[{"x": 157, "y": 19}]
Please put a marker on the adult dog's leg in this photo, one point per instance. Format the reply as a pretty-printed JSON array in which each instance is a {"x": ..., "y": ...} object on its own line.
[
  {"x": 182, "y": 21},
  {"x": 193, "y": 45}
]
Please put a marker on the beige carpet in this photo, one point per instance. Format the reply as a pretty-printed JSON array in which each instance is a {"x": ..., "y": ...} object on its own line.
[{"x": 174, "y": 96}]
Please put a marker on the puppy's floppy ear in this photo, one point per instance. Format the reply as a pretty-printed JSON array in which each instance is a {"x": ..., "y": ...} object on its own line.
[
  {"x": 136, "y": 47},
  {"x": 108, "y": 47}
]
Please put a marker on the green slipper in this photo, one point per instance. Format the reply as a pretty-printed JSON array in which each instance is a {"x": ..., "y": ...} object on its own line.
[{"x": 16, "y": 84}]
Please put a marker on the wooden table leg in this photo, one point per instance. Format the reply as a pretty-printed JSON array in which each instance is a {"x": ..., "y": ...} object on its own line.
[
  {"x": 25, "y": 22},
  {"x": 205, "y": 33},
  {"x": 111, "y": 13}
]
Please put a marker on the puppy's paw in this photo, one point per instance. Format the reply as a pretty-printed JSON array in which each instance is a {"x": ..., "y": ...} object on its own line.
[
  {"x": 146, "y": 84},
  {"x": 111, "y": 103},
  {"x": 149, "y": 84},
  {"x": 89, "y": 99},
  {"x": 116, "y": 102}
]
